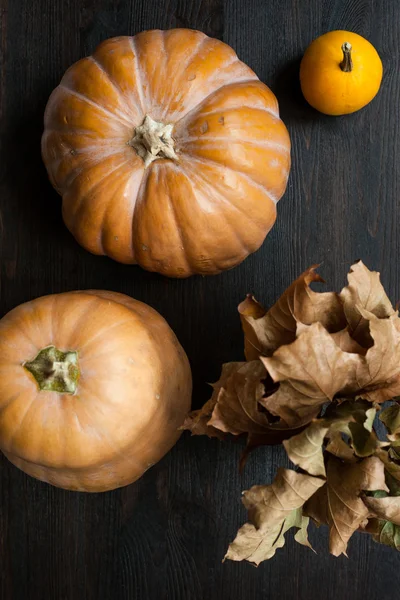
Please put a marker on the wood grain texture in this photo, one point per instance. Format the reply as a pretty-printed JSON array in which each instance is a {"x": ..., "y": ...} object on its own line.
[{"x": 163, "y": 538}]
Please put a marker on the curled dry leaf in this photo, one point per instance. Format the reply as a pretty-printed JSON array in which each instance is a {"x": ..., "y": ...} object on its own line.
[
  {"x": 387, "y": 508},
  {"x": 311, "y": 371},
  {"x": 384, "y": 532},
  {"x": 391, "y": 418},
  {"x": 314, "y": 369},
  {"x": 338, "y": 503},
  {"x": 391, "y": 467},
  {"x": 317, "y": 367},
  {"x": 352, "y": 418},
  {"x": 273, "y": 509},
  {"x": 305, "y": 449},
  {"x": 265, "y": 330},
  {"x": 235, "y": 408},
  {"x": 366, "y": 291}
]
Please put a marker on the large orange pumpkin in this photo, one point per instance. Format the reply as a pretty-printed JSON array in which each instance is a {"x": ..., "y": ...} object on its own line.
[
  {"x": 168, "y": 152},
  {"x": 93, "y": 389}
]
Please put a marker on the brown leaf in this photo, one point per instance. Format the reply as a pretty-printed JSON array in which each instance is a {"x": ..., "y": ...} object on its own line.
[
  {"x": 339, "y": 448},
  {"x": 312, "y": 370},
  {"x": 384, "y": 532},
  {"x": 251, "y": 316},
  {"x": 391, "y": 418},
  {"x": 387, "y": 508},
  {"x": 266, "y": 331},
  {"x": 236, "y": 409},
  {"x": 379, "y": 377},
  {"x": 273, "y": 509},
  {"x": 305, "y": 449},
  {"x": 346, "y": 343},
  {"x": 197, "y": 422},
  {"x": 339, "y": 504},
  {"x": 365, "y": 290},
  {"x": 391, "y": 467}
]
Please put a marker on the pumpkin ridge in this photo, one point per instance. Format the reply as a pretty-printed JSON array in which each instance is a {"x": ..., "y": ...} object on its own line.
[
  {"x": 238, "y": 107},
  {"x": 90, "y": 101},
  {"x": 132, "y": 43},
  {"x": 21, "y": 420},
  {"x": 254, "y": 183},
  {"x": 183, "y": 242},
  {"x": 103, "y": 332},
  {"x": 115, "y": 451},
  {"x": 233, "y": 230},
  {"x": 226, "y": 201},
  {"x": 140, "y": 199},
  {"x": 97, "y": 184},
  {"x": 13, "y": 398},
  {"x": 191, "y": 58},
  {"x": 112, "y": 81},
  {"x": 198, "y": 106},
  {"x": 84, "y": 316},
  {"x": 227, "y": 140}
]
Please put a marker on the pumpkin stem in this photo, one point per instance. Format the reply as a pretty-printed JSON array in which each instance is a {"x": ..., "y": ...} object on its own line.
[
  {"x": 54, "y": 370},
  {"x": 153, "y": 140},
  {"x": 347, "y": 64}
]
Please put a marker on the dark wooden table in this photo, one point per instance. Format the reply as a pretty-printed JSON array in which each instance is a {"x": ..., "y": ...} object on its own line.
[{"x": 164, "y": 537}]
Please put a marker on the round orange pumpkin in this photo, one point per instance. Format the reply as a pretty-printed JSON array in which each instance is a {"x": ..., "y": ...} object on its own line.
[
  {"x": 340, "y": 73},
  {"x": 168, "y": 152},
  {"x": 93, "y": 389}
]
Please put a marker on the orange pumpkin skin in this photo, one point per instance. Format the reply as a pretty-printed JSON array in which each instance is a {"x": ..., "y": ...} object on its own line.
[
  {"x": 325, "y": 82},
  {"x": 131, "y": 397},
  {"x": 208, "y": 198}
]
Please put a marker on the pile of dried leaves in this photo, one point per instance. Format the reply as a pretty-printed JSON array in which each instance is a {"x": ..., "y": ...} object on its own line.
[{"x": 318, "y": 367}]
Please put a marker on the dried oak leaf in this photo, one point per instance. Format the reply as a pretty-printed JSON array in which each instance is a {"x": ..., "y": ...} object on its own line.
[
  {"x": 265, "y": 331},
  {"x": 273, "y": 509},
  {"x": 338, "y": 503},
  {"x": 313, "y": 369},
  {"x": 366, "y": 291}
]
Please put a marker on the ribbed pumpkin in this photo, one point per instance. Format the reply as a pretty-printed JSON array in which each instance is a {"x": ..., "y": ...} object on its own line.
[
  {"x": 93, "y": 389},
  {"x": 168, "y": 152}
]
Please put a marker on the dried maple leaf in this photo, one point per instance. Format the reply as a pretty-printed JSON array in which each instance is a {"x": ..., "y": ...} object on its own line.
[
  {"x": 311, "y": 371},
  {"x": 266, "y": 331},
  {"x": 391, "y": 418},
  {"x": 379, "y": 377},
  {"x": 338, "y": 503},
  {"x": 384, "y": 532},
  {"x": 352, "y": 418},
  {"x": 318, "y": 365},
  {"x": 306, "y": 449},
  {"x": 366, "y": 291},
  {"x": 339, "y": 448},
  {"x": 235, "y": 408},
  {"x": 314, "y": 369},
  {"x": 391, "y": 468},
  {"x": 273, "y": 509},
  {"x": 386, "y": 508}
]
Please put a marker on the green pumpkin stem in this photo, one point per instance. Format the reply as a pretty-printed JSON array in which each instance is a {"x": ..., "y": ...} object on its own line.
[{"x": 54, "y": 370}]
